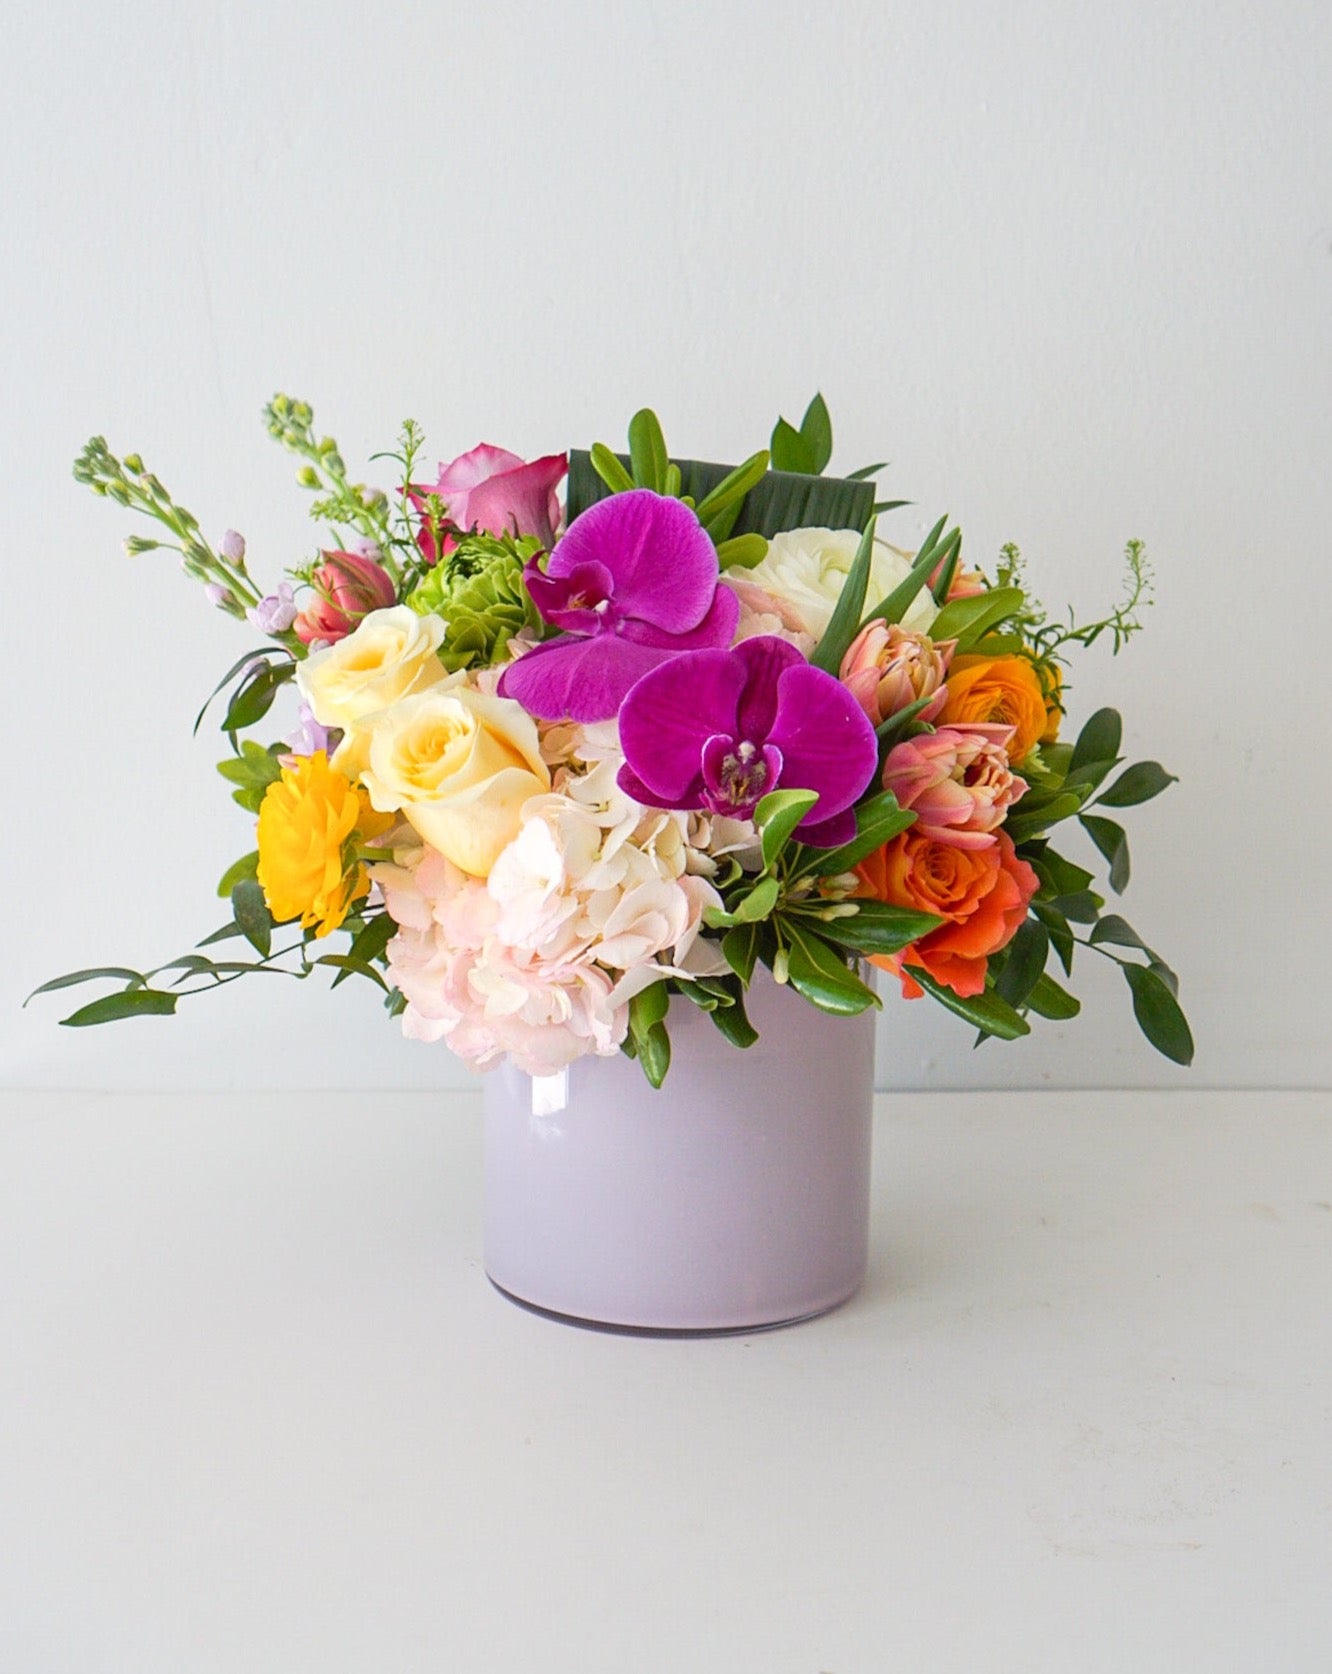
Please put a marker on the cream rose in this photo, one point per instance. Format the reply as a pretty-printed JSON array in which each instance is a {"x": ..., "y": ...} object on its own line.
[
  {"x": 458, "y": 764},
  {"x": 808, "y": 567},
  {"x": 389, "y": 655}
]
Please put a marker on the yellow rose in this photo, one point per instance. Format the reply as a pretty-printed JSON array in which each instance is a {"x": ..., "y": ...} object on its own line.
[
  {"x": 459, "y": 765},
  {"x": 391, "y": 653}
]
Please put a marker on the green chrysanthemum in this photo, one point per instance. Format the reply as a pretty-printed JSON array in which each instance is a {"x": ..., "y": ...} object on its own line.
[{"x": 478, "y": 590}]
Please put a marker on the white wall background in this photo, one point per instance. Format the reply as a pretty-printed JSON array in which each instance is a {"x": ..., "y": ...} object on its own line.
[{"x": 1068, "y": 266}]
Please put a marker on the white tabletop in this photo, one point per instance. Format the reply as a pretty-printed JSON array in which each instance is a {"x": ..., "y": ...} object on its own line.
[{"x": 261, "y": 1411}]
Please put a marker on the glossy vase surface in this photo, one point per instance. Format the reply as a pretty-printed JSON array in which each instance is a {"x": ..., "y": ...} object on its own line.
[{"x": 735, "y": 1196}]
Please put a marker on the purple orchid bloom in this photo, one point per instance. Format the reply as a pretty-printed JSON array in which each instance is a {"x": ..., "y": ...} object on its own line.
[
  {"x": 633, "y": 582},
  {"x": 720, "y": 729}
]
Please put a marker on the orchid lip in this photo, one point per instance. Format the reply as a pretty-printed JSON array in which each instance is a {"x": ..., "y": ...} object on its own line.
[{"x": 738, "y": 774}]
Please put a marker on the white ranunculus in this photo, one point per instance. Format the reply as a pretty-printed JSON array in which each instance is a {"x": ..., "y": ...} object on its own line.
[{"x": 808, "y": 567}]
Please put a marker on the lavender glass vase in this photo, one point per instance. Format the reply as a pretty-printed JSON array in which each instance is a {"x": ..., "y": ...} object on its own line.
[{"x": 736, "y": 1196}]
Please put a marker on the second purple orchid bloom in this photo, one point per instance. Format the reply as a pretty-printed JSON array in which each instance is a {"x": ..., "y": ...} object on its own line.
[
  {"x": 720, "y": 729},
  {"x": 633, "y": 582}
]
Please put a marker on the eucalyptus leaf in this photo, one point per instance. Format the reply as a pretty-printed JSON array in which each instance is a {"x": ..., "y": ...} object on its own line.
[
  {"x": 1139, "y": 783},
  {"x": 251, "y": 913},
  {"x": 130, "y": 1002},
  {"x": 1158, "y": 1013},
  {"x": 112, "y": 973},
  {"x": 1048, "y": 999},
  {"x": 246, "y": 867},
  {"x": 1024, "y": 962},
  {"x": 1112, "y": 840},
  {"x": 1099, "y": 739}
]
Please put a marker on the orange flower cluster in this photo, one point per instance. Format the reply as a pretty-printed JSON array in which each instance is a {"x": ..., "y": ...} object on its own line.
[{"x": 981, "y": 892}]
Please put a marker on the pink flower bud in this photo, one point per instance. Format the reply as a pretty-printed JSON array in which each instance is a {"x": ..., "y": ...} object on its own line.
[
  {"x": 232, "y": 547},
  {"x": 957, "y": 782},
  {"x": 349, "y": 587},
  {"x": 887, "y": 668}
]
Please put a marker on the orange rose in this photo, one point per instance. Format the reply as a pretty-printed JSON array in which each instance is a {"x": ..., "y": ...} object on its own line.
[
  {"x": 1002, "y": 691},
  {"x": 983, "y": 893}
]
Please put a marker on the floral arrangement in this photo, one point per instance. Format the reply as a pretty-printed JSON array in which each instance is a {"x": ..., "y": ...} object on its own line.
[{"x": 558, "y": 766}]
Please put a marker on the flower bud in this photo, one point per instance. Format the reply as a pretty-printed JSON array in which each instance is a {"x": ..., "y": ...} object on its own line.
[
  {"x": 217, "y": 594},
  {"x": 135, "y": 544},
  {"x": 133, "y": 463},
  {"x": 308, "y": 477},
  {"x": 232, "y": 547}
]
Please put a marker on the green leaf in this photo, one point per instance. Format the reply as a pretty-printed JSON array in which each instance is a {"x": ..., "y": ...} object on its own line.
[
  {"x": 742, "y": 552},
  {"x": 965, "y": 620},
  {"x": 1081, "y": 906},
  {"x": 609, "y": 469},
  {"x": 816, "y": 972},
  {"x": 816, "y": 429},
  {"x": 1060, "y": 876},
  {"x": 790, "y": 451},
  {"x": 777, "y": 816},
  {"x": 264, "y": 651},
  {"x": 253, "y": 766},
  {"x": 251, "y": 913},
  {"x": 114, "y": 973},
  {"x": 876, "y": 927},
  {"x": 1048, "y": 999},
  {"x": 740, "y": 950},
  {"x": 1158, "y": 1013},
  {"x": 1021, "y": 825},
  {"x": 758, "y": 904},
  {"x": 987, "y": 1012},
  {"x": 246, "y": 867},
  {"x": 347, "y": 966},
  {"x": 877, "y": 820},
  {"x": 1086, "y": 778},
  {"x": 779, "y": 500},
  {"x": 649, "y": 1006},
  {"x": 225, "y": 934},
  {"x": 899, "y": 601},
  {"x": 733, "y": 1022},
  {"x": 1139, "y": 783},
  {"x": 1061, "y": 937},
  {"x": 254, "y": 697},
  {"x": 647, "y": 450},
  {"x": 1112, "y": 841},
  {"x": 131, "y": 1002},
  {"x": 867, "y": 472},
  {"x": 844, "y": 623},
  {"x": 1024, "y": 964},
  {"x": 647, "y": 1029},
  {"x": 725, "y": 499},
  {"x": 892, "y": 730},
  {"x": 1099, "y": 739}
]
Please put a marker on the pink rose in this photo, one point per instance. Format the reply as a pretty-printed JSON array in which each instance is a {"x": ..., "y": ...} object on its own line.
[
  {"x": 957, "y": 782},
  {"x": 887, "y": 668},
  {"x": 347, "y": 587},
  {"x": 494, "y": 490}
]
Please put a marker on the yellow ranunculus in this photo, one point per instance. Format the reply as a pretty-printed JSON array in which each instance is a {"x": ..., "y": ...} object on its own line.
[
  {"x": 306, "y": 819},
  {"x": 459, "y": 764},
  {"x": 391, "y": 653},
  {"x": 1003, "y": 691}
]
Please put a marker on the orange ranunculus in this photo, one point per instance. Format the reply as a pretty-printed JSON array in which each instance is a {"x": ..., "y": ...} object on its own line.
[
  {"x": 983, "y": 893},
  {"x": 1003, "y": 691}
]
